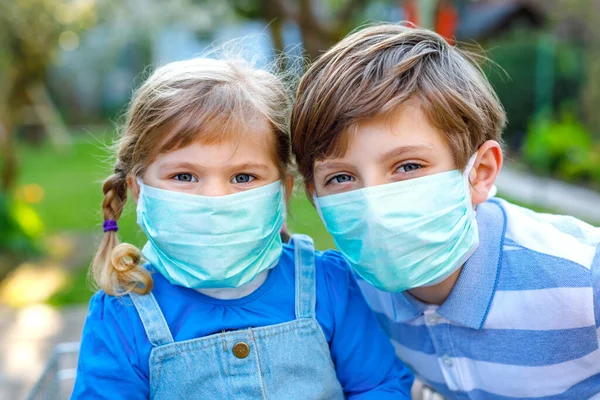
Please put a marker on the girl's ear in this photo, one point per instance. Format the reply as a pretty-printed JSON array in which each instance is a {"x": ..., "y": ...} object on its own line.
[
  {"x": 309, "y": 190},
  {"x": 485, "y": 171},
  {"x": 134, "y": 187},
  {"x": 289, "y": 187}
]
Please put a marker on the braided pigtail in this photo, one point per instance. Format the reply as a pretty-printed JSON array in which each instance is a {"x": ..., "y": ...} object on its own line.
[{"x": 117, "y": 267}]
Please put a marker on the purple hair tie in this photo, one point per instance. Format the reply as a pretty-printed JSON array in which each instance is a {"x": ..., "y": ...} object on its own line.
[{"x": 110, "y": 225}]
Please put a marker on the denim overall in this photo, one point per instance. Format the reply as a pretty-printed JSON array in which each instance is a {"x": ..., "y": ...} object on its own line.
[{"x": 284, "y": 361}]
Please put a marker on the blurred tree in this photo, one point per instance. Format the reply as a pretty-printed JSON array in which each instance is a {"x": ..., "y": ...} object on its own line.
[
  {"x": 321, "y": 23},
  {"x": 579, "y": 22},
  {"x": 31, "y": 32}
]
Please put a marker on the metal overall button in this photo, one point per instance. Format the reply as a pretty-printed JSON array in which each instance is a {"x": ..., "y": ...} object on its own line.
[{"x": 241, "y": 350}]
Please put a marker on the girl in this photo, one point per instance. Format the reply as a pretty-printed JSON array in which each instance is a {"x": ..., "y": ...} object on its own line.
[{"x": 221, "y": 309}]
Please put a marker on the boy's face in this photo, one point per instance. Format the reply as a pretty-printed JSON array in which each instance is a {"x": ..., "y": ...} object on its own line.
[{"x": 383, "y": 150}]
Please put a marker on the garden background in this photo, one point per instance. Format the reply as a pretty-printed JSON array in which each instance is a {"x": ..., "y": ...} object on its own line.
[{"x": 68, "y": 68}]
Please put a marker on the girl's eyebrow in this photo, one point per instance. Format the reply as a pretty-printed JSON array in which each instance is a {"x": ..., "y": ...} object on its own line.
[
  {"x": 197, "y": 166},
  {"x": 250, "y": 165},
  {"x": 181, "y": 164}
]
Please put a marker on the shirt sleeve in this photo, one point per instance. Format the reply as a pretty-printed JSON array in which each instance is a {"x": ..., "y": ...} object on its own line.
[
  {"x": 365, "y": 360},
  {"x": 596, "y": 283},
  {"x": 109, "y": 365}
]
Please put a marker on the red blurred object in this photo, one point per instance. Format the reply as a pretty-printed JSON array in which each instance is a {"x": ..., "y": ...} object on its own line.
[
  {"x": 411, "y": 11},
  {"x": 446, "y": 17},
  {"x": 446, "y": 20}
]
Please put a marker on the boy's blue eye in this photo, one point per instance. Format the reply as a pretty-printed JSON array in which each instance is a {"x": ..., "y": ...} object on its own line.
[
  {"x": 409, "y": 167},
  {"x": 341, "y": 178},
  {"x": 242, "y": 178},
  {"x": 185, "y": 177}
]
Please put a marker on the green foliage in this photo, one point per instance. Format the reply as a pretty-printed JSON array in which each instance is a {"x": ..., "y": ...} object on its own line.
[
  {"x": 76, "y": 291},
  {"x": 32, "y": 49},
  {"x": 15, "y": 237},
  {"x": 517, "y": 56},
  {"x": 563, "y": 148}
]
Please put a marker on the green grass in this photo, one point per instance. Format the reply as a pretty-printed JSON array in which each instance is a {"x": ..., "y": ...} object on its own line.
[{"x": 72, "y": 183}]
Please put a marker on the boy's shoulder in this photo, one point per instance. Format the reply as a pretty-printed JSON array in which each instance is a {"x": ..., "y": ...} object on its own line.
[
  {"x": 554, "y": 237},
  {"x": 548, "y": 266}
]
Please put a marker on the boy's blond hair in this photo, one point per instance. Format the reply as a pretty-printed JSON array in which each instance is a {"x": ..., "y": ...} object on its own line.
[
  {"x": 376, "y": 71},
  {"x": 199, "y": 99}
]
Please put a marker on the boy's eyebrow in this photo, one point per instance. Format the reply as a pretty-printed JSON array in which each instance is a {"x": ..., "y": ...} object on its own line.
[
  {"x": 324, "y": 165},
  {"x": 402, "y": 150},
  {"x": 397, "y": 152}
]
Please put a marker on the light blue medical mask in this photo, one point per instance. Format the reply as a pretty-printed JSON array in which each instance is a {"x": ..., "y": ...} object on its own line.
[
  {"x": 407, "y": 234},
  {"x": 212, "y": 242}
]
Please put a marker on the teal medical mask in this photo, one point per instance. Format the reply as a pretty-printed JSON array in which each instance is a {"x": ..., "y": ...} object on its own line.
[
  {"x": 407, "y": 234},
  {"x": 205, "y": 242}
]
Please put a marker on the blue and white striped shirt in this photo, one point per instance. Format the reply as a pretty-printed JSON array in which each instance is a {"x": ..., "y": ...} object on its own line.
[{"x": 522, "y": 320}]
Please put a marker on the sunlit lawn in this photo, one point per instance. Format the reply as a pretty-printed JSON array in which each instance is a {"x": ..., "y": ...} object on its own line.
[{"x": 72, "y": 181}]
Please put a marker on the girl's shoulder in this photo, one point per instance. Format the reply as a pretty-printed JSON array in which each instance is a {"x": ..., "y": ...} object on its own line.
[
  {"x": 329, "y": 264},
  {"x": 104, "y": 307},
  {"x": 333, "y": 274}
]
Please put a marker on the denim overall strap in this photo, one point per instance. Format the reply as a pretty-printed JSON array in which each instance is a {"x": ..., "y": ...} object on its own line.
[
  {"x": 304, "y": 252},
  {"x": 152, "y": 318}
]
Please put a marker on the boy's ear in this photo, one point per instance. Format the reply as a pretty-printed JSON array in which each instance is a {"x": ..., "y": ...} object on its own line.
[
  {"x": 485, "y": 171},
  {"x": 134, "y": 187}
]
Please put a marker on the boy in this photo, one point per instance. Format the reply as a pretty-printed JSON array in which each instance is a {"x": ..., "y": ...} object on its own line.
[{"x": 397, "y": 136}]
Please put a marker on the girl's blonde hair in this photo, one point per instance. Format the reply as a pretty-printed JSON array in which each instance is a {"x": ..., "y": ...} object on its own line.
[{"x": 199, "y": 99}]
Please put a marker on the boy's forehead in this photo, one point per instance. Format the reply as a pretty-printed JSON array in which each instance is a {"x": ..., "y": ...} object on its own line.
[{"x": 406, "y": 129}]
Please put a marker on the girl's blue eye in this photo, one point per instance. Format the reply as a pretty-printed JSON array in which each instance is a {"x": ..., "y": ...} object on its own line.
[
  {"x": 409, "y": 167},
  {"x": 341, "y": 178},
  {"x": 242, "y": 178},
  {"x": 185, "y": 177}
]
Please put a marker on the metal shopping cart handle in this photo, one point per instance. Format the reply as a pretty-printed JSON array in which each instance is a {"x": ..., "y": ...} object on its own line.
[{"x": 48, "y": 386}]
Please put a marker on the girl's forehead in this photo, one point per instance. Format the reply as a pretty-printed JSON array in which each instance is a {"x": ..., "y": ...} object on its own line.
[
  {"x": 252, "y": 146},
  {"x": 214, "y": 129}
]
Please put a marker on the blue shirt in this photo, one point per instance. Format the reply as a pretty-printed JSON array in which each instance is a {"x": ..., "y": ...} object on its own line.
[
  {"x": 522, "y": 320},
  {"x": 115, "y": 351}
]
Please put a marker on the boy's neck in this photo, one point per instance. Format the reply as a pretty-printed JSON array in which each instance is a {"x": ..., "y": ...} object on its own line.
[{"x": 437, "y": 293}]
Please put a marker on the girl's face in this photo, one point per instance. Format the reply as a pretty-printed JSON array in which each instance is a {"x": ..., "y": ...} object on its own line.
[{"x": 242, "y": 163}]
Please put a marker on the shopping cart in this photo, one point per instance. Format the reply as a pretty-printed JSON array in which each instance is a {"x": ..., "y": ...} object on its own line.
[
  {"x": 58, "y": 377},
  {"x": 420, "y": 391},
  {"x": 56, "y": 382}
]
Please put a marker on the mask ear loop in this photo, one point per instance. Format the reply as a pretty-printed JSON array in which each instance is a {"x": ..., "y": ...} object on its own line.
[
  {"x": 466, "y": 174},
  {"x": 140, "y": 202},
  {"x": 317, "y": 206}
]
